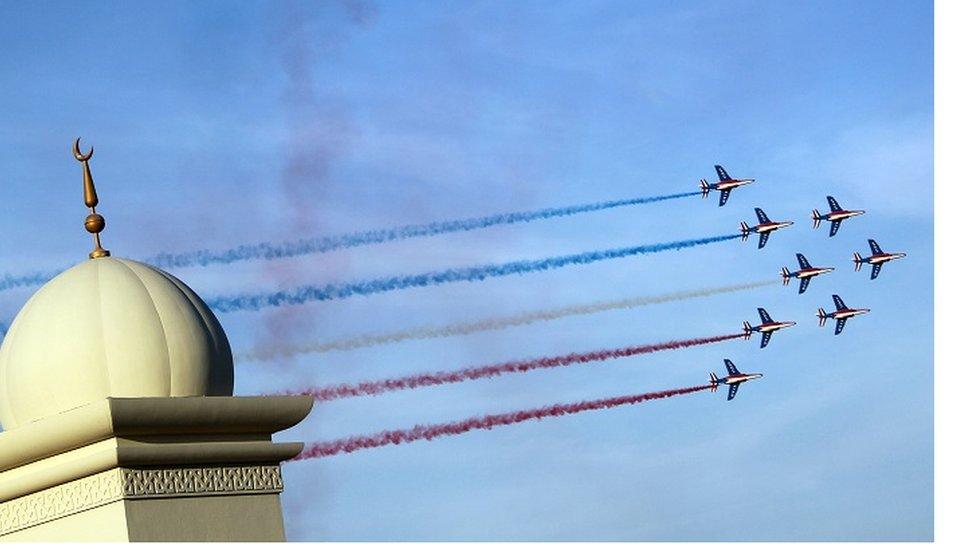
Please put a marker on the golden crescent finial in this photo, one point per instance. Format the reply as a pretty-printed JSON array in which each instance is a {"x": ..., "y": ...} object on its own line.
[
  {"x": 94, "y": 223},
  {"x": 80, "y": 157}
]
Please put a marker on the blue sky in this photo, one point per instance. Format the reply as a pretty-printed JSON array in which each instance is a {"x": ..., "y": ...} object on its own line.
[{"x": 222, "y": 123}]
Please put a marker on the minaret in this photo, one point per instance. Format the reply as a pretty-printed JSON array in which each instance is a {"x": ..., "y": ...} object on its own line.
[{"x": 116, "y": 385}]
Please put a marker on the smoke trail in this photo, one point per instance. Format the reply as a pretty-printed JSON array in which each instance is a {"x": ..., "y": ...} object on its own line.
[
  {"x": 269, "y": 250},
  {"x": 430, "y": 432},
  {"x": 497, "y": 323},
  {"x": 345, "y": 390},
  {"x": 254, "y": 302},
  {"x": 9, "y": 281},
  {"x": 308, "y": 38}
]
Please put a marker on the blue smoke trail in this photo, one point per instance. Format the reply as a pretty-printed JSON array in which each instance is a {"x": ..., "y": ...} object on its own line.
[
  {"x": 329, "y": 292},
  {"x": 268, "y": 250},
  {"x": 9, "y": 282}
]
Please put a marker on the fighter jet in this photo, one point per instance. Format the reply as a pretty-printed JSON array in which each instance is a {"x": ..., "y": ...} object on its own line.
[
  {"x": 766, "y": 328},
  {"x": 805, "y": 273},
  {"x": 763, "y": 229},
  {"x": 836, "y": 215},
  {"x": 841, "y": 315},
  {"x": 733, "y": 380},
  {"x": 876, "y": 259},
  {"x": 725, "y": 184}
]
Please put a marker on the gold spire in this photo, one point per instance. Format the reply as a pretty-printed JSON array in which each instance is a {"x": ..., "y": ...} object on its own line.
[{"x": 94, "y": 223}]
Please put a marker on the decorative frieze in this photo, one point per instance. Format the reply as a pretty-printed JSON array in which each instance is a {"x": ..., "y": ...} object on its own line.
[
  {"x": 201, "y": 481},
  {"x": 127, "y": 483}
]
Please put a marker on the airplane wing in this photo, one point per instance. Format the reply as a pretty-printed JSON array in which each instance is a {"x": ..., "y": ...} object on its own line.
[
  {"x": 733, "y": 389},
  {"x": 763, "y": 237},
  {"x": 765, "y": 339},
  {"x": 804, "y": 282},
  {"x": 724, "y": 197},
  {"x": 839, "y": 303},
  {"x": 875, "y": 248},
  {"x": 834, "y": 227},
  {"x": 834, "y": 206},
  {"x": 733, "y": 371},
  {"x": 840, "y": 325},
  {"x": 804, "y": 264},
  {"x": 722, "y": 174},
  {"x": 764, "y": 316},
  {"x": 875, "y": 271},
  {"x": 763, "y": 218}
]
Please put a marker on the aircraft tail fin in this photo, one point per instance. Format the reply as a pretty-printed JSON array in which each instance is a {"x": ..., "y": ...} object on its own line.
[
  {"x": 744, "y": 229},
  {"x": 703, "y": 185},
  {"x": 857, "y": 262},
  {"x": 822, "y": 316},
  {"x": 785, "y": 273},
  {"x": 747, "y": 328},
  {"x": 816, "y": 218},
  {"x": 713, "y": 380}
]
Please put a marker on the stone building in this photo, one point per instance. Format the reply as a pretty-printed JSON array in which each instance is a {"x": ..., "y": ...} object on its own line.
[{"x": 116, "y": 384}]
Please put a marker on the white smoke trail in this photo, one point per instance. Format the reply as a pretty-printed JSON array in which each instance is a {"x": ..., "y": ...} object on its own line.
[{"x": 489, "y": 324}]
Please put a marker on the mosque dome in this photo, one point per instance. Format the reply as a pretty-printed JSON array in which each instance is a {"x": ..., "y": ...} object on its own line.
[{"x": 110, "y": 327}]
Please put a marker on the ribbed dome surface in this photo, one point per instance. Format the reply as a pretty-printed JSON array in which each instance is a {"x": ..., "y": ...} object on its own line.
[{"x": 110, "y": 327}]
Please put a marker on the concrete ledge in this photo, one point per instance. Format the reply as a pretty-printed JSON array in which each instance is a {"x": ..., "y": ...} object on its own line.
[
  {"x": 152, "y": 416},
  {"x": 146, "y": 432}
]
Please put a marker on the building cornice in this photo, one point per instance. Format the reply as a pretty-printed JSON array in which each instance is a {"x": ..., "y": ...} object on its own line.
[{"x": 141, "y": 433}]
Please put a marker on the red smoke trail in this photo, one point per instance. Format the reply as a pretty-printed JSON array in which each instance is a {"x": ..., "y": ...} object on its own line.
[
  {"x": 430, "y": 432},
  {"x": 345, "y": 390}
]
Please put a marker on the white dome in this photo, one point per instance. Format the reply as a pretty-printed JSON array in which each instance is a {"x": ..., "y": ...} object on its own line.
[{"x": 110, "y": 327}]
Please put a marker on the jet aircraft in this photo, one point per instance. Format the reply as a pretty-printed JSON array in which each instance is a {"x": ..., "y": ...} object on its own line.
[
  {"x": 766, "y": 328},
  {"x": 763, "y": 229},
  {"x": 733, "y": 380},
  {"x": 835, "y": 216},
  {"x": 804, "y": 274},
  {"x": 841, "y": 315},
  {"x": 725, "y": 184},
  {"x": 876, "y": 259}
]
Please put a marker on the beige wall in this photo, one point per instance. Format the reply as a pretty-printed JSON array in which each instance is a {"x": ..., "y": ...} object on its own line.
[{"x": 210, "y": 518}]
